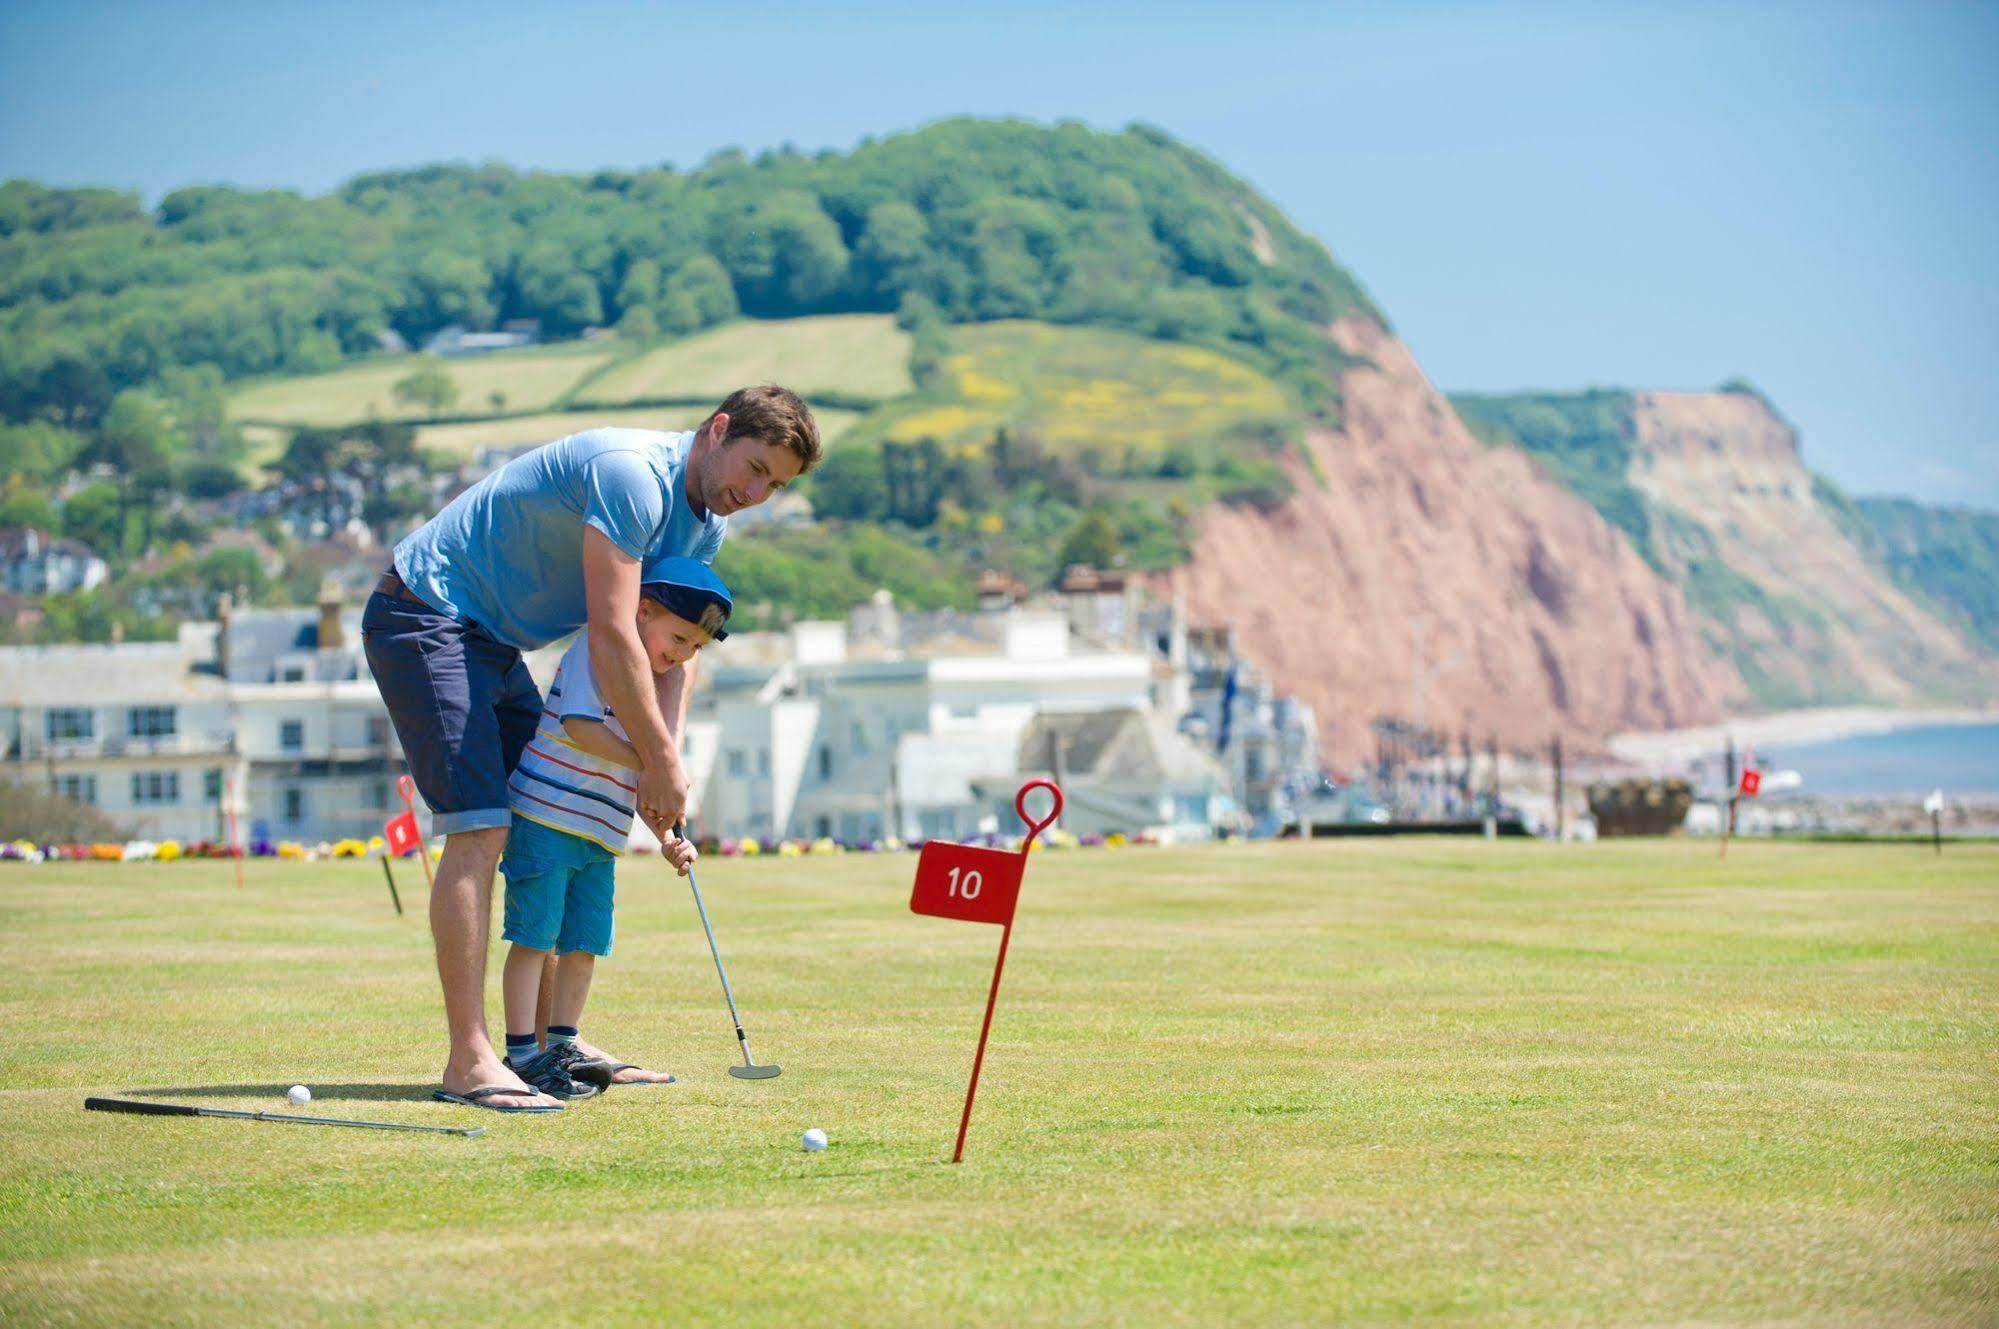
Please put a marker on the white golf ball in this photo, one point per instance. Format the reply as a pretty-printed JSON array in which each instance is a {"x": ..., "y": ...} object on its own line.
[
  {"x": 815, "y": 1140},
  {"x": 299, "y": 1095}
]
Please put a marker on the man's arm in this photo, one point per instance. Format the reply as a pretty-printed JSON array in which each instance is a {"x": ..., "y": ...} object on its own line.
[{"x": 624, "y": 679}]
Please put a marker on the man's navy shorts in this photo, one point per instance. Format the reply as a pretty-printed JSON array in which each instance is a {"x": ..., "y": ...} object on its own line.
[{"x": 463, "y": 705}]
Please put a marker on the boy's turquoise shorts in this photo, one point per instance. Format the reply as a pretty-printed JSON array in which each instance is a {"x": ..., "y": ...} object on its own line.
[{"x": 559, "y": 889}]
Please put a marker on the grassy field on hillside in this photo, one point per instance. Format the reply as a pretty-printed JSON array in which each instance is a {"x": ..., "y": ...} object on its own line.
[
  {"x": 1335, "y": 1082},
  {"x": 858, "y": 355},
  {"x": 528, "y": 379},
  {"x": 468, "y": 438},
  {"x": 1086, "y": 389}
]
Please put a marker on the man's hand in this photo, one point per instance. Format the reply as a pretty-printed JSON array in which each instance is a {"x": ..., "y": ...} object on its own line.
[
  {"x": 663, "y": 795},
  {"x": 678, "y": 850}
]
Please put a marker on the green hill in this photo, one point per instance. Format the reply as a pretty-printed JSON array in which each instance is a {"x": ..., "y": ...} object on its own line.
[{"x": 973, "y": 220}]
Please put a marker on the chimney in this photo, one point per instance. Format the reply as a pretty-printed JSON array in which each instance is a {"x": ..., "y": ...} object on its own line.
[
  {"x": 225, "y": 608},
  {"x": 330, "y": 638}
]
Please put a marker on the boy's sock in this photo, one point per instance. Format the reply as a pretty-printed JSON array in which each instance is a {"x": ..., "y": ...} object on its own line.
[
  {"x": 520, "y": 1047},
  {"x": 559, "y": 1034}
]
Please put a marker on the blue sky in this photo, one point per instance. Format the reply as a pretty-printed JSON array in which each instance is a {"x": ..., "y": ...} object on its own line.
[{"x": 1540, "y": 196}]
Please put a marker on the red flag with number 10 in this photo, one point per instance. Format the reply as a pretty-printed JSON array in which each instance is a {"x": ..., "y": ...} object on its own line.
[{"x": 966, "y": 882}]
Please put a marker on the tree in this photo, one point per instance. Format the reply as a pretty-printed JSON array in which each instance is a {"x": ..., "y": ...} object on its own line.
[
  {"x": 38, "y": 450},
  {"x": 1092, "y": 541},
  {"x": 20, "y": 506},
  {"x": 139, "y": 442},
  {"x": 429, "y": 388},
  {"x": 697, "y": 295},
  {"x": 73, "y": 392}
]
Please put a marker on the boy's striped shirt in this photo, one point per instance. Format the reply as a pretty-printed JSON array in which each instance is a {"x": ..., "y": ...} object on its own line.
[{"x": 560, "y": 785}]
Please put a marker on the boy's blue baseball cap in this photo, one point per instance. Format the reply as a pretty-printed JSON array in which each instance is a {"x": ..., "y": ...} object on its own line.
[{"x": 688, "y": 587}]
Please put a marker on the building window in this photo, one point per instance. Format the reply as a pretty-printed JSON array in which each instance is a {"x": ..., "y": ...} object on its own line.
[
  {"x": 378, "y": 731},
  {"x": 155, "y": 788},
  {"x": 78, "y": 788},
  {"x": 763, "y": 761},
  {"x": 825, "y": 764},
  {"x": 71, "y": 724},
  {"x": 378, "y": 794},
  {"x": 738, "y": 764},
  {"x": 150, "y": 722},
  {"x": 687, "y": 746},
  {"x": 294, "y": 805},
  {"x": 291, "y": 736},
  {"x": 860, "y": 735},
  {"x": 211, "y": 785},
  {"x": 292, "y": 674},
  {"x": 825, "y": 825}
]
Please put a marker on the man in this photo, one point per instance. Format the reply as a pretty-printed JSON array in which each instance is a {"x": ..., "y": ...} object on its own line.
[{"x": 555, "y": 540}]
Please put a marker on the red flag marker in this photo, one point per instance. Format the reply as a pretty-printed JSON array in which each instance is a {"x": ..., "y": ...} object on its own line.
[
  {"x": 406, "y": 825},
  {"x": 1746, "y": 787},
  {"x": 977, "y": 885}
]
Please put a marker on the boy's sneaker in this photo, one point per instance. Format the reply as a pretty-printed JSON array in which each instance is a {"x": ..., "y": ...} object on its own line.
[
  {"x": 583, "y": 1070},
  {"x": 545, "y": 1071}
]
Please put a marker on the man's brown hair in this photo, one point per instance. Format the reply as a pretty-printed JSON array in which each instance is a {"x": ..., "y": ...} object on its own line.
[{"x": 774, "y": 415}]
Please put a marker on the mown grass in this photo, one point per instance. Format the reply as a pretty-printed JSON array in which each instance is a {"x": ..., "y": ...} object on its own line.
[
  {"x": 527, "y": 379},
  {"x": 1326, "y": 1083},
  {"x": 859, "y": 356}
]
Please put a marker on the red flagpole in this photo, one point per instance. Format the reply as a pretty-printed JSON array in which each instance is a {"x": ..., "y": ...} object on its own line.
[
  {"x": 971, "y": 1090},
  {"x": 1034, "y": 828}
]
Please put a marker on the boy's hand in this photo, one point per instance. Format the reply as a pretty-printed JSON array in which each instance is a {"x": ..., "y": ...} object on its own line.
[{"x": 678, "y": 850}]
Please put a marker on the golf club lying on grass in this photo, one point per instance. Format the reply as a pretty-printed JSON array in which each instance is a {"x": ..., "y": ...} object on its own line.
[
  {"x": 182, "y": 1110},
  {"x": 749, "y": 1070}
]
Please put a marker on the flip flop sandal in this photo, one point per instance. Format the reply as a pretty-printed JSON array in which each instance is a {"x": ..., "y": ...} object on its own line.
[
  {"x": 600, "y": 1072},
  {"x": 477, "y": 1098}
]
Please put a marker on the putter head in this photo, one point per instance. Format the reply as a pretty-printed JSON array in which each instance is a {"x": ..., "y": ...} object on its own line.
[{"x": 764, "y": 1072}]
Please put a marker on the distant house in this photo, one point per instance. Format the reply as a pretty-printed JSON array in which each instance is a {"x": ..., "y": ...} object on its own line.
[
  {"x": 455, "y": 340},
  {"x": 34, "y": 563},
  {"x": 1125, "y": 769}
]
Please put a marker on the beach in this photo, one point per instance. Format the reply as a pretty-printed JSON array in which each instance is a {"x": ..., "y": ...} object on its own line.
[{"x": 1671, "y": 750}]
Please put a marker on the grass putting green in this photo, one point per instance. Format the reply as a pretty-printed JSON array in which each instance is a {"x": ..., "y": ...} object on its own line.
[{"x": 1329, "y": 1083}]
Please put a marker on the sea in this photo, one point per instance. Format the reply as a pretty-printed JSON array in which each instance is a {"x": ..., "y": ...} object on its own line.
[{"x": 1956, "y": 758}]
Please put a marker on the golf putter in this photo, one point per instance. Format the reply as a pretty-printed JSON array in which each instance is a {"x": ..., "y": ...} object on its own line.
[
  {"x": 182, "y": 1110},
  {"x": 750, "y": 1069}
]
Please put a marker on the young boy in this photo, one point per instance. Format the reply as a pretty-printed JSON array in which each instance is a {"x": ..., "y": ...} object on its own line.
[{"x": 571, "y": 799}]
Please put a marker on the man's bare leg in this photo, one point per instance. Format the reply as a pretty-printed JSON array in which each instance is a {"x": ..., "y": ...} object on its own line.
[{"x": 461, "y": 920}]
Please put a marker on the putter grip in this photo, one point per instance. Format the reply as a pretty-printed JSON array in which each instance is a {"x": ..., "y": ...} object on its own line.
[{"x": 149, "y": 1109}]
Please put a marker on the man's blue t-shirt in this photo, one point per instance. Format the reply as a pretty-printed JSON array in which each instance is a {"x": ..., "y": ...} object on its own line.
[{"x": 507, "y": 554}]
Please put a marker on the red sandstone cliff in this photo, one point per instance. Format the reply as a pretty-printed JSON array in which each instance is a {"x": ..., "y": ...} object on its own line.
[{"x": 1532, "y": 614}]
